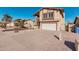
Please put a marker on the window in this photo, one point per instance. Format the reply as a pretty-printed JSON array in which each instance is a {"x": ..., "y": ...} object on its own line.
[
  {"x": 45, "y": 16},
  {"x": 48, "y": 15}
]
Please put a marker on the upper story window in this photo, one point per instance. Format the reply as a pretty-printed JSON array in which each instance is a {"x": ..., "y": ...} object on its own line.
[
  {"x": 45, "y": 16},
  {"x": 48, "y": 15}
]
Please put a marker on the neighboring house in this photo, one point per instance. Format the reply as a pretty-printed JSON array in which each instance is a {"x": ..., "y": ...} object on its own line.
[
  {"x": 10, "y": 25},
  {"x": 29, "y": 24},
  {"x": 50, "y": 19},
  {"x": 70, "y": 27},
  {"x": 76, "y": 22},
  {"x": 36, "y": 24},
  {"x": 2, "y": 24},
  {"x": 76, "y": 26}
]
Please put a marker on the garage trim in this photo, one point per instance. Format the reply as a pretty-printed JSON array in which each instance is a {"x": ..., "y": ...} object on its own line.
[{"x": 50, "y": 22}]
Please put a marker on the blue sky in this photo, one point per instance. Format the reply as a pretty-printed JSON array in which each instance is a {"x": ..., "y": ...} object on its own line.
[{"x": 27, "y": 12}]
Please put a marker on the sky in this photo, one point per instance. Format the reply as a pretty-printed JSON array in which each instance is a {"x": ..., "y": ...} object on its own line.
[{"x": 27, "y": 12}]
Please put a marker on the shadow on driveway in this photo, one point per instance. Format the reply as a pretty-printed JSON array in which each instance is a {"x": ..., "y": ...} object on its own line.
[
  {"x": 56, "y": 37},
  {"x": 71, "y": 45}
]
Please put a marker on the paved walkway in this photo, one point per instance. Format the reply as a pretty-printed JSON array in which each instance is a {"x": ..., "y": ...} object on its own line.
[{"x": 36, "y": 40}]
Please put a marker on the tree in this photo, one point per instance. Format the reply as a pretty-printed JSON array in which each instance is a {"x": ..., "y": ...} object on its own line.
[
  {"x": 6, "y": 19},
  {"x": 19, "y": 23}
]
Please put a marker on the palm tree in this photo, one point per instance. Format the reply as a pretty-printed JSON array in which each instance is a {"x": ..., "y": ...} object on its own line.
[{"x": 6, "y": 19}]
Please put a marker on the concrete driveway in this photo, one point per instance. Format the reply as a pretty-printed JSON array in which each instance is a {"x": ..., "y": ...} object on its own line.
[{"x": 36, "y": 40}]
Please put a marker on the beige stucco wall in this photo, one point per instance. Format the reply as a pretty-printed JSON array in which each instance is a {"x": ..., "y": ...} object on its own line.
[
  {"x": 10, "y": 24},
  {"x": 70, "y": 27},
  {"x": 61, "y": 23},
  {"x": 57, "y": 16},
  {"x": 29, "y": 24}
]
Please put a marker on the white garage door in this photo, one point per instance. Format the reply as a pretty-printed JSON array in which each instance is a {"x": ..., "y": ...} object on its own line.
[{"x": 47, "y": 26}]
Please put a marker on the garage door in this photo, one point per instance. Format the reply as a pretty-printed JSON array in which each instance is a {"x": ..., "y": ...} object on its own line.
[{"x": 47, "y": 26}]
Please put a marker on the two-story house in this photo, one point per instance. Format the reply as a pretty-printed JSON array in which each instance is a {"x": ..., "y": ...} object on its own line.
[{"x": 50, "y": 19}]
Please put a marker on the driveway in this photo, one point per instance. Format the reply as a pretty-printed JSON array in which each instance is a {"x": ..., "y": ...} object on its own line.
[{"x": 36, "y": 40}]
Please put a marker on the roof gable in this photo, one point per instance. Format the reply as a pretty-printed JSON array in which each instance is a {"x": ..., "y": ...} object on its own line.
[{"x": 60, "y": 9}]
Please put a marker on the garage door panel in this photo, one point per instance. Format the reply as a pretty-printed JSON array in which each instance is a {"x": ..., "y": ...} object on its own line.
[{"x": 47, "y": 26}]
